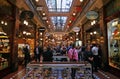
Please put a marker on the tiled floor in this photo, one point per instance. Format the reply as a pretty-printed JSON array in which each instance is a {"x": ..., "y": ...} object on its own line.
[
  {"x": 98, "y": 75},
  {"x": 104, "y": 75}
]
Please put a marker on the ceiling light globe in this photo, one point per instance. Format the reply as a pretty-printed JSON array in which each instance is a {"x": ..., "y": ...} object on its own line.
[
  {"x": 81, "y": 0},
  {"x": 36, "y": 0}
]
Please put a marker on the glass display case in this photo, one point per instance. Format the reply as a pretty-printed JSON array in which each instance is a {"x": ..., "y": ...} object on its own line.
[
  {"x": 59, "y": 70},
  {"x": 113, "y": 28}
]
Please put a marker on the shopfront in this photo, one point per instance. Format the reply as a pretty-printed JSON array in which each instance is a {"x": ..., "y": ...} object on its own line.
[
  {"x": 114, "y": 42},
  {"x": 92, "y": 34},
  {"x": 113, "y": 35},
  {"x": 7, "y": 24}
]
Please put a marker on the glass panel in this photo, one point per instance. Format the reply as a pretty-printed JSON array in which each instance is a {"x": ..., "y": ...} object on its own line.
[
  {"x": 59, "y": 22},
  {"x": 114, "y": 43},
  {"x": 59, "y": 5}
]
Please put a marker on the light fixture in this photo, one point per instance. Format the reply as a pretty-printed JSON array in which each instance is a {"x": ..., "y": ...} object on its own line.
[
  {"x": 93, "y": 22},
  {"x": 49, "y": 26},
  {"x": 77, "y": 39},
  {"x": 41, "y": 39},
  {"x": 71, "y": 37},
  {"x": 91, "y": 33},
  {"x": 74, "y": 14},
  {"x": 24, "y": 32},
  {"x": 47, "y": 21},
  {"x": 36, "y": 0},
  {"x": 112, "y": 33},
  {"x": 5, "y": 23},
  {"x": 81, "y": 0},
  {"x": 28, "y": 33},
  {"x": 95, "y": 32},
  {"x": 77, "y": 33},
  {"x": 2, "y": 22},
  {"x": 41, "y": 33},
  {"x": 43, "y": 14},
  {"x": 25, "y": 22},
  {"x": 70, "y": 21}
]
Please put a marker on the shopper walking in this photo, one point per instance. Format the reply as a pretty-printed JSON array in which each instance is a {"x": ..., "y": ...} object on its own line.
[
  {"x": 27, "y": 55},
  {"x": 73, "y": 56},
  {"x": 96, "y": 58}
]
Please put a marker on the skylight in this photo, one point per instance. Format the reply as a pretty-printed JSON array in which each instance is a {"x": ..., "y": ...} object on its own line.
[
  {"x": 59, "y": 5},
  {"x": 59, "y": 22}
]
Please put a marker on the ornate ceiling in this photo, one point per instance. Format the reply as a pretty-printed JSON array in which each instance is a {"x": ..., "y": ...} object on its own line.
[{"x": 57, "y": 15}]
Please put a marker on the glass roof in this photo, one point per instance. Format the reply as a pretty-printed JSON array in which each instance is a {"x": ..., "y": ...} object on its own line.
[
  {"x": 59, "y": 22},
  {"x": 59, "y": 5}
]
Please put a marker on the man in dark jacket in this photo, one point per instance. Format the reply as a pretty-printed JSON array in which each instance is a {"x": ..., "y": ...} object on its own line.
[
  {"x": 27, "y": 55},
  {"x": 48, "y": 55},
  {"x": 37, "y": 53}
]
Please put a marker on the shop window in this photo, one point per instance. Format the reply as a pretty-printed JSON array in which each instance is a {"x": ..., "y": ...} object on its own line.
[
  {"x": 6, "y": 23},
  {"x": 113, "y": 30}
]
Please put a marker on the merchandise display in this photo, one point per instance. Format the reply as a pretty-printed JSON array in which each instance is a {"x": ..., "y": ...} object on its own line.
[
  {"x": 58, "y": 71},
  {"x": 4, "y": 51},
  {"x": 3, "y": 62}
]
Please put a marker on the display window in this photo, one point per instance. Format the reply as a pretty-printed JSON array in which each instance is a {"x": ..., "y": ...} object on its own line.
[
  {"x": 6, "y": 23},
  {"x": 113, "y": 31}
]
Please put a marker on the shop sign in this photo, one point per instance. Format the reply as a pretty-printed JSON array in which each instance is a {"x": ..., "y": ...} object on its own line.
[
  {"x": 92, "y": 15},
  {"x": 76, "y": 29},
  {"x": 42, "y": 29}
]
